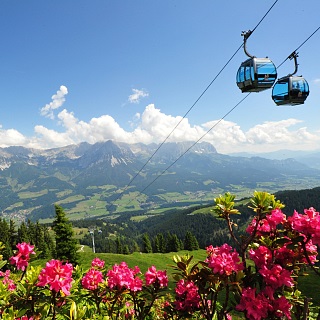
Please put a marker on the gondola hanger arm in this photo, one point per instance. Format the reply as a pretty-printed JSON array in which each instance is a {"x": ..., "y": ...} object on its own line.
[
  {"x": 294, "y": 55},
  {"x": 246, "y": 35}
]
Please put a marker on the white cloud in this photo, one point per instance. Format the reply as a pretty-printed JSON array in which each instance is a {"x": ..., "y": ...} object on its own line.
[
  {"x": 153, "y": 126},
  {"x": 136, "y": 96},
  {"x": 57, "y": 101},
  {"x": 11, "y": 137}
]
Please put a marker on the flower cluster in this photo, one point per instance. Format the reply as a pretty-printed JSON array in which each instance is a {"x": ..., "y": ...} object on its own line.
[
  {"x": 274, "y": 262},
  {"x": 307, "y": 223},
  {"x": 97, "y": 263},
  {"x": 187, "y": 296},
  {"x": 7, "y": 281},
  {"x": 276, "y": 276},
  {"x": 258, "y": 306},
  {"x": 22, "y": 257},
  {"x": 268, "y": 224},
  {"x": 159, "y": 278},
  {"x": 123, "y": 277},
  {"x": 92, "y": 279},
  {"x": 223, "y": 260},
  {"x": 57, "y": 275}
]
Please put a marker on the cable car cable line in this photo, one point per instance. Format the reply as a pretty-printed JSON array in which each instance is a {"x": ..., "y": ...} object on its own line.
[
  {"x": 192, "y": 106},
  {"x": 264, "y": 16},
  {"x": 168, "y": 136},
  {"x": 313, "y": 33},
  {"x": 188, "y": 149}
]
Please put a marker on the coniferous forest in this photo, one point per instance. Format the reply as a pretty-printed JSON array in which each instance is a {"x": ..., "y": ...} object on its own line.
[{"x": 171, "y": 231}]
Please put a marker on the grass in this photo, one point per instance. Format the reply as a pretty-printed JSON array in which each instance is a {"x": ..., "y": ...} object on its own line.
[{"x": 308, "y": 285}]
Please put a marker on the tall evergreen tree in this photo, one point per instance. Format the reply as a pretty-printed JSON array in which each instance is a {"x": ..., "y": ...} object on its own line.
[
  {"x": 66, "y": 245},
  {"x": 173, "y": 243},
  {"x": 147, "y": 247},
  {"x": 119, "y": 245},
  {"x": 50, "y": 243},
  {"x": 12, "y": 234},
  {"x": 23, "y": 235},
  {"x": 31, "y": 227},
  {"x": 160, "y": 243},
  {"x": 125, "y": 249},
  {"x": 40, "y": 243},
  {"x": 5, "y": 239},
  {"x": 190, "y": 242},
  {"x": 135, "y": 246}
]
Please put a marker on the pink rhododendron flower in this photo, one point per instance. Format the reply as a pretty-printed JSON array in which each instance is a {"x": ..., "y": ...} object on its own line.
[
  {"x": 281, "y": 308},
  {"x": 154, "y": 276},
  {"x": 97, "y": 263},
  {"x": 92, "y": 279},
  {"x": 122, "y": 277},
  {"x": 307, "y": 223},
  {"x": 7, "y": 281},
  {"x": 312, "y": 251},
  {"x": 263, "y": 227},
  {"x": 22, "y": 257},
  {"x": 223, "y": 260},
  {"x": 285, "y": 257},
  {"x": 277, "y": 277},
  {"x": 187, "y": 296},
  {"x": 255, "y": 306},
  {"x": 261, "y": 256},
  {"x": 269, "y": 224},
  {"x": 57, "y": 275},
  {"x": 130, "y": 310},
  {"x": 275, "y": 218}
]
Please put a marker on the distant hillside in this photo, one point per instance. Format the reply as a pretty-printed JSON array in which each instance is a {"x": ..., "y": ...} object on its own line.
[
  {"x": 96, "y": 180},
  {"x": 204, "y": 226},
  {"x": 309, "y": 158},
  {"x": 299, "y": 199}
]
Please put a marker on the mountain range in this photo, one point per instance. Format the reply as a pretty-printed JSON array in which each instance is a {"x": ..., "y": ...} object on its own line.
[{"x": 111, "y": 177}]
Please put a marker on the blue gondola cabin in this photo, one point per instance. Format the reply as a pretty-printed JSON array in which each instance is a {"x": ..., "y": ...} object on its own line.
[
  {"x": 290, "y": 90},
  {"x": 256, "y": 74}
]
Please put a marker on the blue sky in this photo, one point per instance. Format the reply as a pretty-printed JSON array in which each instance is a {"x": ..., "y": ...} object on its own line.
[{"x": 74, "y": 71}]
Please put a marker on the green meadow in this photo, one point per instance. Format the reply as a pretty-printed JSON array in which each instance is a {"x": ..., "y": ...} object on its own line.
[{"x": 309, "y": 285}]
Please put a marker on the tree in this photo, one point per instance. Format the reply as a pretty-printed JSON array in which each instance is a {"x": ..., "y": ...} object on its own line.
[
  {"x": 173, "y": 243},
  {"x": 12, "y": 234},
  {"x": 160, "y": 243},
  {"x": 147, "y": 247},
  {"x": 66, "y": 245},
  {"x": 125, "y": 249},
  {"x": 5, "y": 239},
  {"x": 50, "y": 243},
  {"x": 190, "y": 242},
  {"x": 23, "y": 235},
  {"x": 40, "y": 242},
  {"x": 119, "y": 245}
]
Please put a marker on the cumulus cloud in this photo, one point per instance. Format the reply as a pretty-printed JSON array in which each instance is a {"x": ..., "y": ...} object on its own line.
[
  {"x": 154, "y": 126},
  {"x": 136, "y": 96},
  {"x": 57, "y": 101},
  {"x": 11, "y": 137}
]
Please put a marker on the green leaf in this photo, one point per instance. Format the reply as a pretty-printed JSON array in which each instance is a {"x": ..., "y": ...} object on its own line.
[
  {"x": 73, "y": 310},
  {"x": 3, "y": 263}
]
